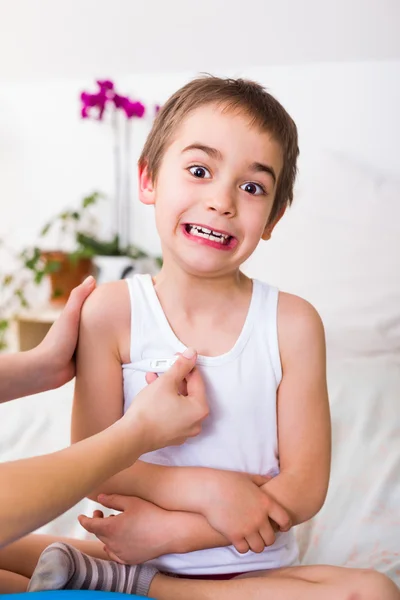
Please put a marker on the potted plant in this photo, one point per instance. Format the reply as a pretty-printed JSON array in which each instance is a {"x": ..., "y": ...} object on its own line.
[
  {"x": 117, "y": 257},
  {"x": 77, "y": 252},
  {"x": 71, "y": 260}
]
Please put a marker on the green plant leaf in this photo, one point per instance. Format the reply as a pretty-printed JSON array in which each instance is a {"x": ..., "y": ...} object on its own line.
[
  {"x": 7, "y": 280},
  {"x": 4, "y": 325},
  {"x": 39, "y": 277},
  {"x": 74, "y": 258},
  {"x": 21, "y": 296},
  {"x": 31, "y": 258},
  {"x": 45, "y": 229},
  {"x": 91, "y": 199},
  {"x": 52, "y": 266},
  {"x": 99, "y": 247}
]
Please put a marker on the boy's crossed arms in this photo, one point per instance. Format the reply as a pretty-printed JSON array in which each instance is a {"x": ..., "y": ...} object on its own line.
[
  {"x": 183, "y": 509},
  {"x": 196, "y": 507}
]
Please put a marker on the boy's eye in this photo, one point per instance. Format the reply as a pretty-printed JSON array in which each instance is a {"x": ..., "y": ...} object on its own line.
[
  {"x": 253, "y": 188},
  {"x": 200, "y": 172}
]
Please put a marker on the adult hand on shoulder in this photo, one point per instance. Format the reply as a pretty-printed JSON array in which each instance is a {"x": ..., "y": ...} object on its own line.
[
  {"x": 55, "y": 354},
  {"x": 164, "y": 416}
]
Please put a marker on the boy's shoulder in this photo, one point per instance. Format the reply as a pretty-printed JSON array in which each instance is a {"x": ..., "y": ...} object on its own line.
[
  {"x": 298, "y": 323},
  {"x": 107, "y": 307},
  {"x": 292, "y": 307}
]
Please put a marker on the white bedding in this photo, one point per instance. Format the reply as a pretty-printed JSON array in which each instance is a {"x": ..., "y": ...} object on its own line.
[
  {"x": 340, "y": 248},
  {"x": 359, "y": 525},
  {"x": 360, "y": 522}
]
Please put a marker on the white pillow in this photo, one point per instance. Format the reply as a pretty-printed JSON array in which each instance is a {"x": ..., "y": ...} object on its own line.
[{"x": 359, "y": 525}]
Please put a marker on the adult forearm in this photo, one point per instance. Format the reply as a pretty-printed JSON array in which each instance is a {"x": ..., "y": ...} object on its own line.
[
  {"x": 301, "y": 497},
  {"x": 21, "y": 374},
  {"x": 36, "y": 490}
]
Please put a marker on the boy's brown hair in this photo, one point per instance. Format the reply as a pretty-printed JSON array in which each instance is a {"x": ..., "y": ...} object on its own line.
[{"x": 232, "y": 94}]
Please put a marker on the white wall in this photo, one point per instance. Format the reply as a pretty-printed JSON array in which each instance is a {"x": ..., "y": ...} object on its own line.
[{"x": 79, "y": 38}]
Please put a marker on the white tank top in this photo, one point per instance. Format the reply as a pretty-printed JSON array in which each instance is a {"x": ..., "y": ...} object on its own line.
[{"x": 241, "y": 432}]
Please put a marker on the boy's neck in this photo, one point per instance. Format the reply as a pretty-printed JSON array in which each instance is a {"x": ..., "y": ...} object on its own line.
[{"x": 193, "y": 293}]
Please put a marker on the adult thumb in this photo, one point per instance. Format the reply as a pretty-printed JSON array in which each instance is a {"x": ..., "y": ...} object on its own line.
[
  {"x": 182, "y": 366},
  {"x": 77, "y": 297}
]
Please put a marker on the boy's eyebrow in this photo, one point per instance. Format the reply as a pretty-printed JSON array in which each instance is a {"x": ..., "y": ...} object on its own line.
[
  {"x": 261, "y": 168},
  {"x": 257, "y": 167},
  {"x": 213, "y": 152}
]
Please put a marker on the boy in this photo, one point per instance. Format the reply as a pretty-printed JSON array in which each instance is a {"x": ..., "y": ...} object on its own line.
[{"x": 219, "y": 166}]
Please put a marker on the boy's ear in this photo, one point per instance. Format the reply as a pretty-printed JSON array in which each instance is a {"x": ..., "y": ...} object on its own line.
[
  {"x": 146, "y": 186},
  {"x": 270, "y": 227}
]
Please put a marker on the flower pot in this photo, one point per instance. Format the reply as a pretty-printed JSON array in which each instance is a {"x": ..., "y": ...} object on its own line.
[
  {"x": 112, "y": 268},
  {"x": 70, "y": 273}
]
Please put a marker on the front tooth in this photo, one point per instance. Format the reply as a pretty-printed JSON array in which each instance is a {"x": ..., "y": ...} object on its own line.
[
  {"x": 220, "y": 235},
  {"x": 206, "y": 230}
]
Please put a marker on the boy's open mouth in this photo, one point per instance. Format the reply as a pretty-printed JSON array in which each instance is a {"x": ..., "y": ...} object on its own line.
[{"x": 216, "y": 237}]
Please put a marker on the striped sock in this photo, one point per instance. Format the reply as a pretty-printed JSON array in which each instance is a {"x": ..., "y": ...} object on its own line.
[{"x": 61, "y": 566}]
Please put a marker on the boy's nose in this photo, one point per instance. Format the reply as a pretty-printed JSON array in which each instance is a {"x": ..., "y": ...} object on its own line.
[{"x": 223, "y": 204}]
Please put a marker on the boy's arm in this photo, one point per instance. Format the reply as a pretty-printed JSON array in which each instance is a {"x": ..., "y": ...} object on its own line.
[
  {"x": 304, "y": 429},
  {"x": 104, "y": 342},
  {"x": 143, "y": 531}
]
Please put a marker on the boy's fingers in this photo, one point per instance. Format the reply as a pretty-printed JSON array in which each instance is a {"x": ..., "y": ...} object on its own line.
[
  {"x": 97, "y": 514},
  {"x": 278, "y": 514},
  {"x": 97, "y": 526},
  {"x": 241, "y": 546},
  {"x": 113, "y": 556},
  {"x": 260, "y": 479},
  {"x": 113, "y": 501},
  {"x": 267, "y": 533}
]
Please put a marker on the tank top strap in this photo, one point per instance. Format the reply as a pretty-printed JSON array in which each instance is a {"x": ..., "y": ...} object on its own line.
[
  {"x": 143, "y": 312},
  {"x": 269, "y": 317}
]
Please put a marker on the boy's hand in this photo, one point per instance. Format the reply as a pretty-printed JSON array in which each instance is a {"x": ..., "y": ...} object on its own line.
[
  {"x": 55, "y": 354},
  {"x": 246, "y": 515},
  {"x": 163, "y": 415},
  {"x": 141, "y": 532}
]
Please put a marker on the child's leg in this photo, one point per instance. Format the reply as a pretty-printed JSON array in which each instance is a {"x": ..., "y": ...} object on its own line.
[
  {"x": 12, "y": 583},
  {"x": 61, "y": 567},
  {"x": 297, "y": 583},
  {"x": 18, "y": 560}
]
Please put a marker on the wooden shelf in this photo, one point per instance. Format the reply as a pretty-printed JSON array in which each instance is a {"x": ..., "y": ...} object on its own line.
[{"x": 33, "y": 325}]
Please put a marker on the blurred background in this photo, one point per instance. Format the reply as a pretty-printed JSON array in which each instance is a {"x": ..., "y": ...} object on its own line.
[
  {"x": 68, "y": 185},
  {"x": 333, "y": 65}
]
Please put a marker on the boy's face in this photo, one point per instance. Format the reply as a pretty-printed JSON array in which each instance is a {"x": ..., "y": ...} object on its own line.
[{"x": 214, "y": 191}]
